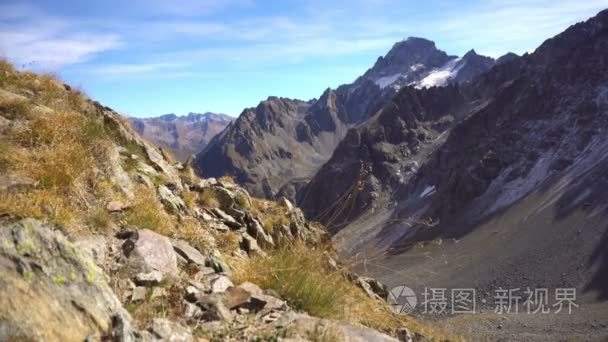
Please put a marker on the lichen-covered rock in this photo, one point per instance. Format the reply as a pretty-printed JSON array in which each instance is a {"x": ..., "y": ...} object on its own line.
[
  {"x": 162, "y": 165},
  {"x": 256, "y": 230},
  {"x": 174, "y": 203},
  {"x": 220, "y": 284},
  {"x": 118, "y": 175},
  {"x": 51, "y": 291},
  {"x": 96, "y": 246}
]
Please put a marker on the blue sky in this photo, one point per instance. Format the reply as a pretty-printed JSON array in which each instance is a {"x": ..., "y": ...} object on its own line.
[{"x": 150, "y": 57}]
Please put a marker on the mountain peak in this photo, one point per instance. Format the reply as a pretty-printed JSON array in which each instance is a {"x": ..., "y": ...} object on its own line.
[
  {"x": 507, "y": 57},
  {"x": 470, "y": 53}
]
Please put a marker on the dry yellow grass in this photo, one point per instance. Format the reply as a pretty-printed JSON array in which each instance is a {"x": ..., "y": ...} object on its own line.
[
  {"x": 301, "y": 275},
  {"x": 49, "y": 204},
  {"x": 147, "y": 212},
  {"x": 190, "y": 198},
  {"x": 227, "y": 242},
  {"x": 208, "y": 199},
  {"x": 227, "y": 180},
  {"x": 191, "y": 230},
  {"x": 55, "y": 142},
  {"x": 270, "y": 213}
]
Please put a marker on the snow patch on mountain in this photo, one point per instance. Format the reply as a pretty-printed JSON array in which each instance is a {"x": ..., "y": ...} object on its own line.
[
  {"x": 442, "y": 75},
  {"x": 385, "y": 81},
  {"x": 416, "y": 67},
  {"x": 429, "y": 190}
]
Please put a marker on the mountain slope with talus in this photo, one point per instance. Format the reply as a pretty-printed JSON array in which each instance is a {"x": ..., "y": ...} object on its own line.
[
  {"x": 275, "y": 148},
  {"x": 497, "y": 182},
  {"x": 103, "y": 237}
]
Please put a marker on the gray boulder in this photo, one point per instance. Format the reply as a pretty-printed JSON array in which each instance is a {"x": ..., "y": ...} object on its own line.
[
  {"x": 164, "y": 330},
  {"x": 191, "y": 254},
  {"x": 51, "y": 291},
  {"x": 150, "y": 252}
]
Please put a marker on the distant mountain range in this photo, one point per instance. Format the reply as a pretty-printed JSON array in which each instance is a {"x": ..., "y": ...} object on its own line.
[{"x": 182, "y": 135}]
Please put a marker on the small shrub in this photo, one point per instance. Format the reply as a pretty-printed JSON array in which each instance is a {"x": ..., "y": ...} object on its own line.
[
  {"x": 93, "y": 129},
  {"x": 134, "y": 148}
]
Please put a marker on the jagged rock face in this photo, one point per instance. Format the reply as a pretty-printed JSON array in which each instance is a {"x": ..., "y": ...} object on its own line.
[
  {"x": 523, "y": 145},
  {"x": 274, "y": 149},
  {"x": 380, "y": 155},
  {"x": 182, "y": 135}
]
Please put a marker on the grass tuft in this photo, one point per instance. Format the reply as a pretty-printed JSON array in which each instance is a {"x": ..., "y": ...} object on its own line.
[
  {"x": 147, "y": 212},
  {"x": 271, "y": 214},
  {"x": 208, "y": 199},
  {"x": 98, "y": 219}
]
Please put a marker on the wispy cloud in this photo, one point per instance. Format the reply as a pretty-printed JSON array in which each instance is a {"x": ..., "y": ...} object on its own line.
[
  {"x": 130, "y": 69},
  {"x": 52, "y": 52},
  {"x": 29, "y": 37},
  {"x": 495, "y": 27},
  {"x": 189, "y": 8}
]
